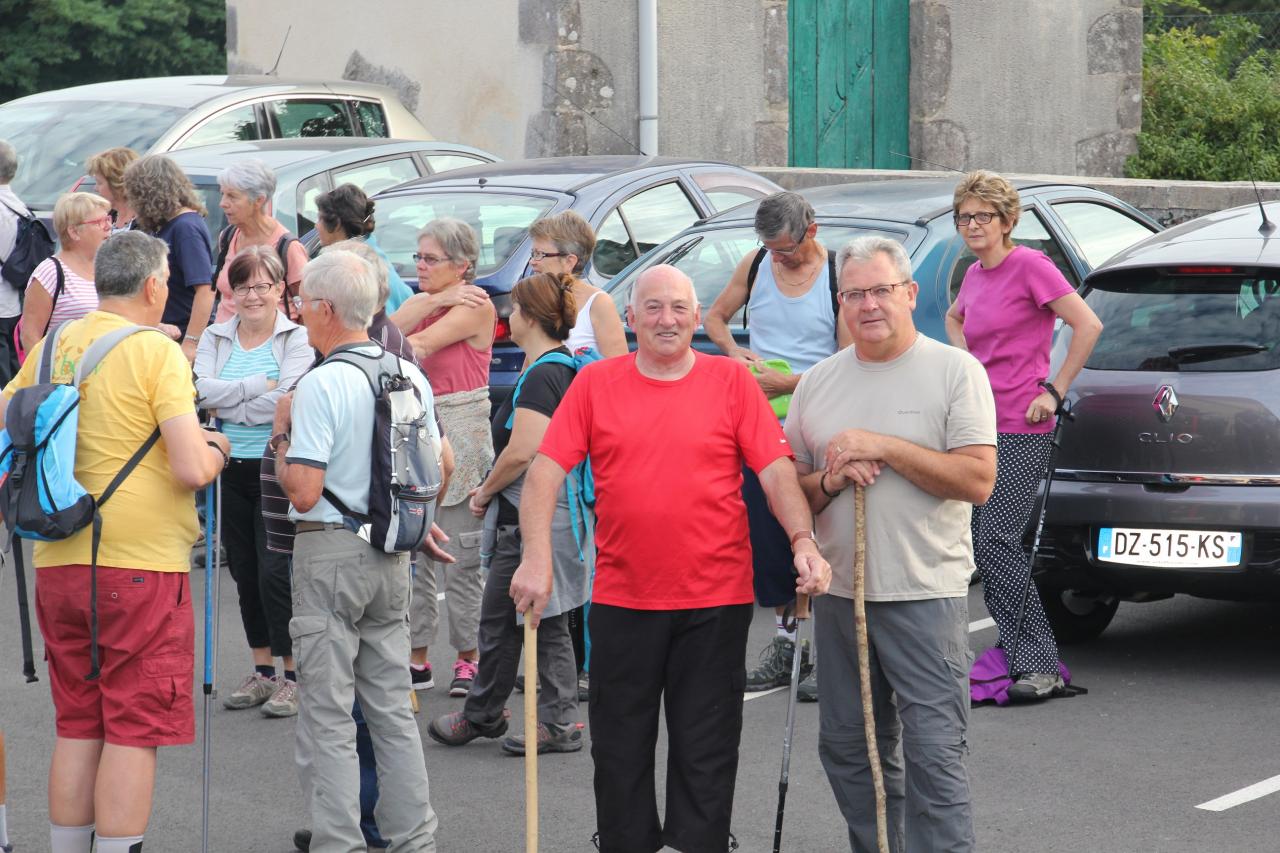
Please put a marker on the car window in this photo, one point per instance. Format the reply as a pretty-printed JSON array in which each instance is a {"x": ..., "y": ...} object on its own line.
[
  {"x": 656, "y": 215},
  {"x": 378, "y": 176},
  {"x": 1187, "y": 320},
  {"x": 501, "y": 221},
  {"x": 211, "y": 195},
  {"x": 308, "y": 191},
  {"x": 373, "y": 119},
  {"x": 445, "y": 162},
  {"x": 614, "y": 249},
  {"x": 1100, "y": 231},
  {"x": 725, "y": 198},
  {"x": 237, "y": 125},
  {"x": 728, "y": 189},
  {"x": 305, "y": 118},
  {"x": 1030, "y": 231}
]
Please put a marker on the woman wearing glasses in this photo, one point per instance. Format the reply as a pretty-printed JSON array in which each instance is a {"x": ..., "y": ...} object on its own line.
[
  {"x": 562, "y": 245},
  {"x": 243, "y": 367},
  {"x": 61, "y": 287},
  {"x": 1004, "y": 315}
]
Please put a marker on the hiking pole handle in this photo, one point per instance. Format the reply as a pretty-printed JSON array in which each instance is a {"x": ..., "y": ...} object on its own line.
[{"x": 802, "y": 605}]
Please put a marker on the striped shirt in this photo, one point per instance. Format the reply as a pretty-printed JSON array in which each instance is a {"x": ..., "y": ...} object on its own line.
[
  {"x": 249, "y": 440},
  {"x": 78, "y": 295}
]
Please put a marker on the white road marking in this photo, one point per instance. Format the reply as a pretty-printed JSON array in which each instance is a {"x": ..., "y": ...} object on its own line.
[
  {"x": 439, "y": 596},
  {"x": 747, "y": 697},
  {"x": 1244, "y": 795},
  {"x": 981, "y": 624}
]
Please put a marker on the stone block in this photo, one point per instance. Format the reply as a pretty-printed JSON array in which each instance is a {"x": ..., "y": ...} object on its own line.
[
  {"x": 771, "y": 143},
  {"x": 1115, "y": 43},
  {"x": 930, "y": 41},
  {"x": 776, "y": 74},
  {"x": 1105, "y": 153},
  {"x": 942, "y": 142},
  {"x": 1129, "y": 103},
  {"x": 359, "y": 68}
]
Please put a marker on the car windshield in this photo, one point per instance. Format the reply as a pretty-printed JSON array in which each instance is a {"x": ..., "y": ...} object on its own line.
[
  {"x": 55, "y": 138},
  {"x": 709, "y": 258},
  {"x": 1189, "y": 319},
  {"x": 501, "y": 221}
]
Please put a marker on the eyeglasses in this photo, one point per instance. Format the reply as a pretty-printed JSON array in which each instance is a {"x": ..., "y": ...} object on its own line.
[
  {"x": 259, "y": 288},
  {"x": 786, "y": 253},
  {"x": 299, "y": 301},
  {"x": 429, "y": 260},
  {"x": 538, "y": 256},
  {"x": 984, "y": 217},
  {"x": 103, "y": 221},
  {"x": 880, "y": 292}
]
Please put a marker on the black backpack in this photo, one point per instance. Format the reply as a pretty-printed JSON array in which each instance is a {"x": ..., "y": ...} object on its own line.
[
  {"x": 33, "y": 244},
  {"x": 831, "y": 282}
]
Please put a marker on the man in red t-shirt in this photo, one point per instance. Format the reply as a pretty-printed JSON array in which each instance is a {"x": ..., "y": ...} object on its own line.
[{"x": 668, "y": 430}]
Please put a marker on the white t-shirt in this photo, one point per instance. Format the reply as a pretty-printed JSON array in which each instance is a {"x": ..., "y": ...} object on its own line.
[
  {"x": 583, "y": 333},
  {"x": 934, "y": 395},
  {"x": 78, "y": 298}
]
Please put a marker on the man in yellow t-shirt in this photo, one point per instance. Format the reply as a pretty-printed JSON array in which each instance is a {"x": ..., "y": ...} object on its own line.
[{"x": 108, "y": 729}]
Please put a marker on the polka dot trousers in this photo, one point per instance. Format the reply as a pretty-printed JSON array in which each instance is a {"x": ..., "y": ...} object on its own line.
[{"x": 998, "y": 527}]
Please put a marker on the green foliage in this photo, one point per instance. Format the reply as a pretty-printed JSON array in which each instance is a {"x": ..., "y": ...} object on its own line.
[
  {"x": 51, "y": 44},
  {"x": 1211, "y": 105}
]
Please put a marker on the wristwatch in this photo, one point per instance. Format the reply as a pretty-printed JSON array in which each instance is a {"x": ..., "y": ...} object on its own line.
[
  {"x": 274, "y": 443},
  {"x": 802, "y": 534}
]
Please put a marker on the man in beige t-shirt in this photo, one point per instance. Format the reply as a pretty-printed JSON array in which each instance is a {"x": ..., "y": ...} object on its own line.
[{"x": 913, "y": 420}]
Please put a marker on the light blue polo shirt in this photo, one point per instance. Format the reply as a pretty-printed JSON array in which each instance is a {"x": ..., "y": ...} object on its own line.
[{"x": 333, "y": 430}]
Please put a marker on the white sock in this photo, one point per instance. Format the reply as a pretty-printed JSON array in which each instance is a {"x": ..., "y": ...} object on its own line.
[
  {"x": 131, "y": 844},
  {"x": 782, "y": 629},
  {"x": 4, "y": 827},
  {"x": 70, "y": 839}
]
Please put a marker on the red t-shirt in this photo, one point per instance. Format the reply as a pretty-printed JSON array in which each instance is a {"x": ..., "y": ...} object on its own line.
[{"x": 671, "y": 528}]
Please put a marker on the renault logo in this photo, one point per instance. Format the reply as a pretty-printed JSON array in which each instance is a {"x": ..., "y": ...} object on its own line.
[{"x": 1165, "y": 403}]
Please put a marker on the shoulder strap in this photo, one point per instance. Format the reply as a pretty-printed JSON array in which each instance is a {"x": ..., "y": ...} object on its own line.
[
  {"x": 282, "y": 249},
  {"x": 224, "y": 246},
  {"x": 57, "y": 291},
  {"x": 369, "y": 365},
  {"x": 834, "y": 287},
  {"x": 44, "y": 364},
  {"x": 98, "y": 349},
  {"x": 22, "y": 217},
  {"x": 751, "y": 280},
  {"x": 547, "y": 358}
]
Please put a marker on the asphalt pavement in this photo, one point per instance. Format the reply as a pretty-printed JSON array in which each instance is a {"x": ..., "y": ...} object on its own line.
[{"x": 1165, "y": 753}]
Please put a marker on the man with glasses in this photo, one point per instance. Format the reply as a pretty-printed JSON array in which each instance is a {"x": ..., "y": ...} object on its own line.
[
  {"x": 913, "y": 421},
  {"x": 788, "y": 287}
]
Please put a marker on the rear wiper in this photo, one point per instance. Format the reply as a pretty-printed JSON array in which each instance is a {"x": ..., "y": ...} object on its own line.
[
  {"x": 1213, "y": 352},
  {"x": 680, "y": 251}
]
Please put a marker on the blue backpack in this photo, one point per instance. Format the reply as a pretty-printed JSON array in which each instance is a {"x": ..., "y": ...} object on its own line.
[
  {"x": 581, "y": 484},
  {"x": 39, "y": 496}
]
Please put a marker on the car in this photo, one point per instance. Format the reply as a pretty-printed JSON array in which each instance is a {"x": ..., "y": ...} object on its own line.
[
  {"x": 1167, "y": 481},
  {"x": 56, "y": 132},
  {"x": 633, "y": 203},
  {"x": 1077, "y": 227},
  {"x": 307, "y": 168}
]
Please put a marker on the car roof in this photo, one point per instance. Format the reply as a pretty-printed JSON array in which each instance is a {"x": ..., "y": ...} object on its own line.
[
  {"x": 191, "y": 91},
  {"x": 558, "y": 174},
  {"x": 318, "y": 152},
  {"x": 1231, "y": 236}
]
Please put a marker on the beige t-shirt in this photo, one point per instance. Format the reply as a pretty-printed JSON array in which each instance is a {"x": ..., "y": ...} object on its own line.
[{"x": 934, "y": 395}]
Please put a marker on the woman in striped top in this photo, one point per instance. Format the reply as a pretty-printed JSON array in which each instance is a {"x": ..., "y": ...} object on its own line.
[
  {"x": 243, "y": 367},
  {"x": 83, "y": 223}
]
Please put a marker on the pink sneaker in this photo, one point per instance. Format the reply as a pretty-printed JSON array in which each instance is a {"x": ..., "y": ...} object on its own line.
[{"x": 464, "y": 672}]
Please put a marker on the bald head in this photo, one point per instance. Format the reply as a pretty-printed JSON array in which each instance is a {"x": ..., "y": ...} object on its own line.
[{"x": 662, "y": 277}]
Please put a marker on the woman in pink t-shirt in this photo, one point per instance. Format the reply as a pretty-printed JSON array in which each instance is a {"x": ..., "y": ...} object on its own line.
[{"x": 1004, "y": 315}]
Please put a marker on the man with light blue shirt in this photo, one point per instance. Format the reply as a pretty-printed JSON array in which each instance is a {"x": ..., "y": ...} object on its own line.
[
  {"x": 350, "y": 599},
  {"x": 788, "y": 289}
]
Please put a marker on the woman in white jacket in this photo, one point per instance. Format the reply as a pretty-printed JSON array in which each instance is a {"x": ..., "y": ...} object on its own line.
[{"x": 243, "y": 367}]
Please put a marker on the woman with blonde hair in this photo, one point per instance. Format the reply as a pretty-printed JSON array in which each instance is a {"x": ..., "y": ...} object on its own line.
[
  {"x": 107, "y": 170},
  {"x": 562, "y": 245},
  {"x": 61, "y": 287}
]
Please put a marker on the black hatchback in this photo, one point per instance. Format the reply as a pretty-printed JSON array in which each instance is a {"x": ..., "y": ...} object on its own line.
[{"x": 1168, "y": 480}]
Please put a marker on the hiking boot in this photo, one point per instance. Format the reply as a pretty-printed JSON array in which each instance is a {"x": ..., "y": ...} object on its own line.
[
  {"x": 520, "y": 683},
  {"x": 775, "y": 665},
  {"x": 551, "y": 738},
  {"x": 808, "y": 689},
  {"x": 1035, "y": 686},
  {"x": 253, "y": 691},
  {"x": 421, "y": 678},
  {"x": 464, "y": 673},
  {"x": 455, "y": 729},
  {"x": 284, "y": 702},
  {"x": 584, "y": 687},
  {"x": 302, "y": 840}
]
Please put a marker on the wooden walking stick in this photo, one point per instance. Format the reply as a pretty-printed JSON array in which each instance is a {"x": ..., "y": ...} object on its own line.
[
  {"x": 864, "y": 661},
  {"x": 530, "y": 735}
]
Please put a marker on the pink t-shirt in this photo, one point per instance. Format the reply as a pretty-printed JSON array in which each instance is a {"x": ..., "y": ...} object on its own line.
[
  {"x": 457, "y": 367},
  {"x": 297, "y": 260},
  {"x": 78, "y": 297},
  {"x": 1008, "y": 328}
]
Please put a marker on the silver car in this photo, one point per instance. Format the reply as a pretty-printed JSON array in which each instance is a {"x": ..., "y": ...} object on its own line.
[{"x": 56, "y": 132}]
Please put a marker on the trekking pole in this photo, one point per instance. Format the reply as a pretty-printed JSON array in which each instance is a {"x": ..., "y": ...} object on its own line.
[
  {"x": 1064, "y": 414},
  {"x": 864, "y": 661},
  {"x": 212, "y": 533},
  {"x": 530, "y": 735},
  {"x": 801, "y": 614}
]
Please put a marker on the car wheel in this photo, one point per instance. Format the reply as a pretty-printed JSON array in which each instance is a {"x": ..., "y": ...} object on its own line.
[{"x": 1077, "y": 617}]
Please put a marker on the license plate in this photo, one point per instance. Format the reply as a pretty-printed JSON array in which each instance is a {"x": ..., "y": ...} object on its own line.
[{"x": 1169, "y": 548}]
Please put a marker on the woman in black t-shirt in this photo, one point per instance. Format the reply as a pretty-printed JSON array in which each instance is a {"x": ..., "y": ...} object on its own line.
[{"x": 543, "y": 312}]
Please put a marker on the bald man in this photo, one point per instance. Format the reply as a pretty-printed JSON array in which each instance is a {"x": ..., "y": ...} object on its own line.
[{"x": 668, "y": 429}]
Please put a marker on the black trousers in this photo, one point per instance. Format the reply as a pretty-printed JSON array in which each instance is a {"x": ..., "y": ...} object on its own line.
[
  {"x": 690, "y": 661},
  {"x": 8, "y": 349},
  {"x": 261, "y": 576}
]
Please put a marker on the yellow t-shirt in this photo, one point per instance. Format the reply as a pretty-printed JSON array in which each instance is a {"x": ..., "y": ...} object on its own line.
[{"x": 150, "y": 521}]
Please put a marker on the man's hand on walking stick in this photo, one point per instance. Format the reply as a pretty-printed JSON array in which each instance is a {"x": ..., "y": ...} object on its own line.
[{"x": 813, "y": 573}]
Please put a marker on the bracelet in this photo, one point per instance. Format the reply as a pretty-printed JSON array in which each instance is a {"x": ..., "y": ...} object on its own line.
[
  {"x": 1057, "y": 398},
  {"x": 822, "y": 484},
  {"x": 276, "y": 440},
  {"x": 191, "y": 338},
  {"x": 226, "y": 460}
]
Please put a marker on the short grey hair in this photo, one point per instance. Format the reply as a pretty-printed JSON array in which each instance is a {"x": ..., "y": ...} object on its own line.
[
  {"x": 8, "y": 161},
  {"x": 345, "y": 281},
  {"x": 125, "y": 261},
  {"x": 251, "y": 177},
  {"x": 369, "y": 255},
  {"x": 864, "y": 249},
  {"x": 457, "y": 240},
  {"x": 784, "y": 214}
]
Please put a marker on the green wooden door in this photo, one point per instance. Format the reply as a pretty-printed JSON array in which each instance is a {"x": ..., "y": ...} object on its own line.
[{"x": 849, "y": 63}]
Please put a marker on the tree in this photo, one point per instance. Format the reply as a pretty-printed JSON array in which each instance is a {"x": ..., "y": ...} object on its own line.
[{"x": 51, "y": 44}]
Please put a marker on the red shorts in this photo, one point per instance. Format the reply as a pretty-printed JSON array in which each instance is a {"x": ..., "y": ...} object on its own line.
[{"x": 146, "y": 642}]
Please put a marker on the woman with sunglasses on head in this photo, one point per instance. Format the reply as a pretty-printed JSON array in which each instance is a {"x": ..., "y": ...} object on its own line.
[
  {"x": 243, "y": 367},
  {"x": 1004, "y": 315},
  {"x": 562, "y": 245},
  {"x": 61, "y": 287}
]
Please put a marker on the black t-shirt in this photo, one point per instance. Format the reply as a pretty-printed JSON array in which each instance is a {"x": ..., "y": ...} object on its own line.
[{"x": 544, "y": 387}]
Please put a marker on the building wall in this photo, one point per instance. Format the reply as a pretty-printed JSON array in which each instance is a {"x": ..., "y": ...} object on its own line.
[{"x": 1012, "y": 85}]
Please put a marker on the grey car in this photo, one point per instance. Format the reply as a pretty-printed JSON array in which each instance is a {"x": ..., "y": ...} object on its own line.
[{"x": 1168, "y": 480}]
